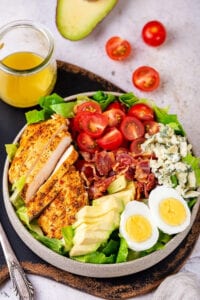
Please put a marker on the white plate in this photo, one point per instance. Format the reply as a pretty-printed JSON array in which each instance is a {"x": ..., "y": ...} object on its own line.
[{"x": 87, "y": 269}]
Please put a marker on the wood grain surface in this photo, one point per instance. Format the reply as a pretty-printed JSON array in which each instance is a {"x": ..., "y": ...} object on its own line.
[{"x": 71, "y": 80}]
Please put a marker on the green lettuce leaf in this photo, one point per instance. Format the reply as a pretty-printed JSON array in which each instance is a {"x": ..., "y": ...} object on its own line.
[
  {"x": 35, "y": 116},
  {"x": 52, "y": 243},
  {"x": 47, "y": 101},
  {"x": 96, "y": 258},
  {"x": 103, "y": 99},
  {"x": 128, "y": 99},
  {"x": 64, "y": 109},
  {"x": 68, "y": 234},
  {"x": 162, "y": 116},
  {"x": 123, "y": 251},
  {"x": 23, "y": 216},
  {"x": 194, "y": 162},
  {"x": 17, "y": 188},
  {"x": 50, "y": 105},
  {"x": 11, "y": 150}
]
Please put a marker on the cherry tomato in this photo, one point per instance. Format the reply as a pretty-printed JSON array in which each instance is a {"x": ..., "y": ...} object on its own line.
[
  {"x": 86, "y": 142},
  {"x": 141, "y": 111},
  {"x": 132, "y": 128},
  {"x": 151, "y": 127},
  {"x": 78, "y": 120},
  {"x": 154, "y": 33},
  {"x": 115, "y": 116},
  {"x": 146, "y": 79},
  {"x": 117, "y": 104},
  {"x": 88, "y": 106},
  {"x": 111, "y": 140},
  {"x": 135, "y": 146},
  {"x": 118, "y": 48},
  {"x": 94, "y": 124}
]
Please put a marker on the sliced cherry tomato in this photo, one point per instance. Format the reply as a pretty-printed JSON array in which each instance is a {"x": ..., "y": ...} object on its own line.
[
  {"x": 94, "y": 124},
  {"x": 146, "y": 78},
  {"x": 86, "y": 142},
  {"x": 115, "y": 116},
  {"x": 118, "y": 48},
  {"x": 88, "y": 106},
  {"x": 151, "y": 127},
  {"x": 111, "y": 140},
  {"x": 132, "y": 128},
  {"x": 117, "y": 104},
  {"x": 78, "y": 120},
  {"x": 141, "y": 111},
  {"x": 154, "y": 33},
  {"x": 135, "y": 146}
]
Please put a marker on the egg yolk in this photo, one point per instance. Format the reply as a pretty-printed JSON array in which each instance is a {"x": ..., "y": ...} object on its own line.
[
  {"x": 172, "y": 211},
  {"x": 138, "y": 228}
]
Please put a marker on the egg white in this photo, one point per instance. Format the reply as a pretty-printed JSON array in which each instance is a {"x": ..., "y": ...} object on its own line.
[
  {"x": 138, "y": 208},
  {"x": 155, "y": 198}
]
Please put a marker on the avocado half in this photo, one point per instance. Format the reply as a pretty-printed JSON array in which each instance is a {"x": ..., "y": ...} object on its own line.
[{"x": 75, "y": 19}]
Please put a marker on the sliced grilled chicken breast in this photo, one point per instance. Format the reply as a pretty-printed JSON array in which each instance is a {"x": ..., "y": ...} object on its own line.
[
  {"x": 46, "y": 164},
  {"x": 62, "y": 210},
  {"x": 50, "y": 189},
  {"x": 34, "y": 140}
]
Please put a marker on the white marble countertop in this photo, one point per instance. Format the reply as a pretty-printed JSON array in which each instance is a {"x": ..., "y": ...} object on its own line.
[{"x": 177, "y": 61}]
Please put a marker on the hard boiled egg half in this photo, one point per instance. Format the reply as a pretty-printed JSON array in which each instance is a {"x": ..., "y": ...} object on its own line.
[
  {"x": 169, "y": 210},
  {"x": 137, "y": 227}
]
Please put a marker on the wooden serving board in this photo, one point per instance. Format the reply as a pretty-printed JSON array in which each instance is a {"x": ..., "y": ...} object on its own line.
[{"x": 71, "y": 80}]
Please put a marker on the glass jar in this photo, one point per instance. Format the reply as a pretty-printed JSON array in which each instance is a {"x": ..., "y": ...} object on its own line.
[{"x": 27, "y": 64}]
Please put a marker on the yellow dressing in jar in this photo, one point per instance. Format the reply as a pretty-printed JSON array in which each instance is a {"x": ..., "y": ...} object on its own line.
[
  {"x": 25, "y": 90},
  {"x": 27, "y": 65}
]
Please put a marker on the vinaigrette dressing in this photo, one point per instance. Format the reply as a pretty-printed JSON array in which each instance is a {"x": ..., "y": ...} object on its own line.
[{"x": 24, "y": 90}]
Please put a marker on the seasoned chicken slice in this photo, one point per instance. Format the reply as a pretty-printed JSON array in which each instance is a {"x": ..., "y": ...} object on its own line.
[
  {"x": 62, "y": 210},
  {"x": 50, "y": 189},
  {"x": 34, "y": 140},
  {"x": 45, "y": 164}
]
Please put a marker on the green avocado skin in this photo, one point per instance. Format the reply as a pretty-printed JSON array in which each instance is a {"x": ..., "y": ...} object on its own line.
[{"x": 76, "y": 19}]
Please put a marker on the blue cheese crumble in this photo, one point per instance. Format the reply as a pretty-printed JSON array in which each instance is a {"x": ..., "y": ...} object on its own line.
[{"x": 169, "y": 150}]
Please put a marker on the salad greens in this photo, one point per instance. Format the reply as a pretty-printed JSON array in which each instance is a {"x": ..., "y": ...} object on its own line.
[
  {"x": 115, "y": 249},
  {"x": 55, "y": 104}
]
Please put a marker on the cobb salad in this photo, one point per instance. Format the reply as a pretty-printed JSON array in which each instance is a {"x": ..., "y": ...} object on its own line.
[{"x": 103, "y": 178}]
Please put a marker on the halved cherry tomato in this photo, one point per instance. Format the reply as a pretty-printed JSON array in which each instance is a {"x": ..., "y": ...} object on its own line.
[
  {"x": 146, "y": 78},
  {"x": 78, "y": 120},
  {"x": 94, "y": 124},
  {"x": 88, "y": 106},
  {"x": 141, "y": 111},
  {"x": 154, "y": 33},
  {"x": 118, "y": 48},
  {"x": 135, "y": 146},
  {"x": 132, "y": 128},
  {"x": 115, "y": 116},
  {"x": 151, "y": 127},
  {"x": 111, "y": 140},
  {"x": 86, "y": 142},
  {"x": 117, "y": 104}
]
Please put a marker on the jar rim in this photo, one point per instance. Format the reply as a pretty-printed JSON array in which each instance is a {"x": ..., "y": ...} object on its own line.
[{"x": 27, "y": 24}]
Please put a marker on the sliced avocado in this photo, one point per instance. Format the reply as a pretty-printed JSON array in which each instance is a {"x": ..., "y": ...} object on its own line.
[
  {"x": 112, "y": 218},
  {"x": 100, "y": 210},
  {"x": 78, "y": 250},
  {"x": 75, "y": 19},
  {"x": 117, "y": 185},
  {"x": 88, "y": 237},
  {"x": 109, "y": 221},
  {"x": 124, "y": 196}
]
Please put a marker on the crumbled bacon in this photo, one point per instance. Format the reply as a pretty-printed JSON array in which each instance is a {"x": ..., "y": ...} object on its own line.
[
  {"x": 99, "y": 187},
  {"x": 104, "y": 162},
  {"x": 101, "y": 168}
]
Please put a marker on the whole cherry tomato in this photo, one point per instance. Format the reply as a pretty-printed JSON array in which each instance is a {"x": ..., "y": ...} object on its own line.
[{"x": 154, "y": 33}]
